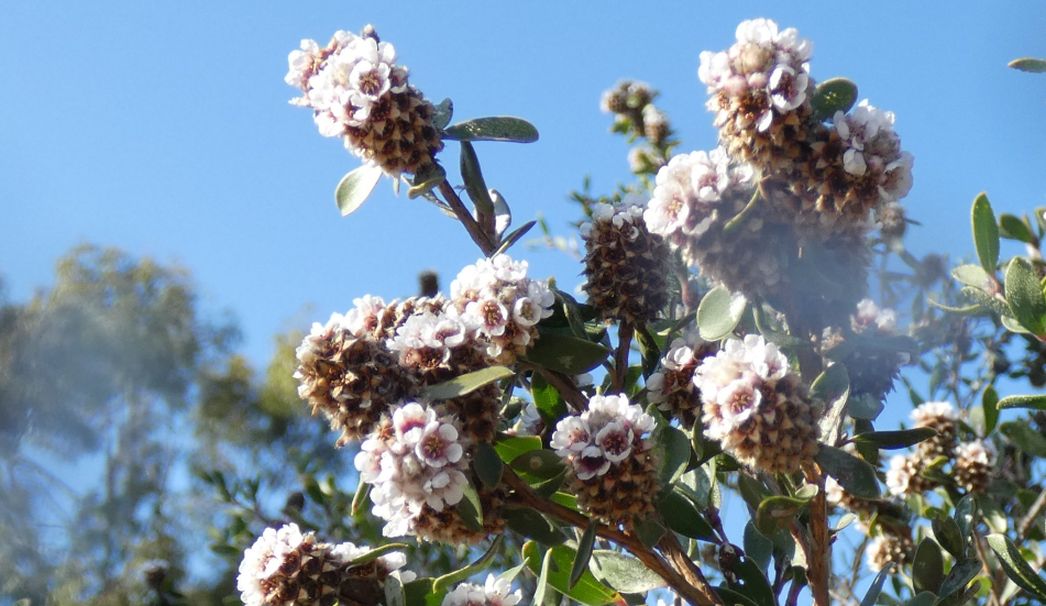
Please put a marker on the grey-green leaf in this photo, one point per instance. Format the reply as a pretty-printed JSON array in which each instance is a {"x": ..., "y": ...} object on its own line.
[
  {"x": 719, "y": 312},
  {"x": 833, "y": 388},
  {"x": 1015, "y": 567},
  {"x": 972, "y": 275},
  {"x": 624, "y": 572},
  {"x": 1029, "y": 64},
  {"x": 776, "y": 513},
  {"x": 487, "y": 464},
  {"x": 565, "y": 354},
  {"x": 682, "y": 516},
  {"x": 853, "y": 474},
  {"x": 948, "y": 534},
  {"x": 475, "y": 185},
  {"x": 355, "y": 187},
  {"x": 1012, "y": 227},
  {"x": 584, "y": 553},
  {"x": 990, "y": 405},
  {"x": 1024, "y": 294},
  {"x": 928, "y": 566},
  {"x": 466, "y": 383},
  {"x": 833, "y": 95},
  {"x": 985, "y": 232},
  {"x": 1035, "y": 402},
  {"x": 444, "y": 112},
  {"x": 962, "y": 572},
  {"x": 1025, "y": 438},
  {"x": 494, "y": 128},
  {"x": 377, "y": 552},
  {"x": 470, "y": 510},
  {"x": 872, "y": 595}
]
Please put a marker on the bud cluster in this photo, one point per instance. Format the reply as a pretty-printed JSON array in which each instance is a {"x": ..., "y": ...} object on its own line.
[
  {"x": 757, "y": 407},
  {"x": 358, "y": 92},
  {"x": 626, "y": 266},
  {"x": 286, "y": 567},
  {"x": 608, "y": 451}
]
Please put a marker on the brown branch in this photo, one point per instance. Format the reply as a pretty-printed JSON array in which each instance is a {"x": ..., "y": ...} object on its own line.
[
  {"x": 819, "y": 549},
  {"x": 481, "y": 238},
  {"x": 563, "y": 384},
  {"x": 671, "y": 548},
  {"x": 680, "y": 584}
]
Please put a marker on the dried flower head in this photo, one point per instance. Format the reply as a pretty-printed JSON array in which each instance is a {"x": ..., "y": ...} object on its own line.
[
  {"x": 358, "y": 92},
  {"x": 608, "y": 452},
  {"x": 285, "y": 567},
  {"x": 757, "y": 407},
  {"x": 626, "y": 269}
]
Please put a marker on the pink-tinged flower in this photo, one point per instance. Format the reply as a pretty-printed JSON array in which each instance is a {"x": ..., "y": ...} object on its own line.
[{"x": 615, "y": 440}]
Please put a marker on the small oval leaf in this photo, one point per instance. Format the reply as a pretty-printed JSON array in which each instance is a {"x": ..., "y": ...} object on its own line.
[
  {"x": 833, "y": 95},
  {"x": 466, "y": 383},
  {"x": 928, "y": 566},
  {"x": 853, "y": 474},
  {"x": 584, "y": 553},
  {"x": 355, "y": 187},
  {"x": 569, "y": 355},
  {"x": 1024, "y": 294},
  {"x": 1029, "y": 64},
  {"x": 494, "y": 128},
  {"x": 893, "y": 440},
  {"x": 985, "y": 233},
  {"x": 487, "y": 464},
  {"x": 1035, "y": 402},
  {"x": 624, "y": 572},
  {"x": 719, "y": 312},
  {"x": 682, "y": 516}
]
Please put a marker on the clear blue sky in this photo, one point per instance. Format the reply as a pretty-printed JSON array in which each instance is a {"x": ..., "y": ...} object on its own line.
[{"x": 164, "y": 129}]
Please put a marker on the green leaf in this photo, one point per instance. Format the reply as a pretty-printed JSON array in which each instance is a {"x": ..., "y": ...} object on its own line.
[
  {"x": 928, "y": 566},
  {"x": 893, "y": 440},
  {"x": 1029, "y": 64},
  {"x": 1035, "y": 402},
  {"x": 358, "y": 499},
  {"x": 864, "y": 406},
  {"x": 1015, "y": 229},
  {"x": 533, "y": 525},
  {"x": 426, "y": 180},
  {"x": 487, "y": 464},
  {"x": 757, "y": 546},
  {"x": 872, "y": 595},
  {"x": 470, "y": 509},
  {"x": 1015, "y": 567},
  {"x": 1024, "y": 294},
  {"x": 855, "y": 475},
  {"x": 965, "y": 515},
  {"x": 833, "y": 95},
  {"x": 444, "y": 111},
  {"x": 776, "y": 513},
  {"x": 732, "y": 598},
  {"x": 832, "y": 387},
  {"x": 512, "y": 446},
  {"x": 1025, "y": 438},
  {"x": 748, "y": 579},
  {"x": 547, "y": 399},
  {"x": 475, "y": 186},
  {"x": 624, "y": 572},
  {"x": 569, "y": 355},
  {"x": 494, "y": 128},
  {"x": 444, "y": 582},
  {"x": 418, "y": 592},
  {"x": 926, "y": 598},
  {"x": 972, "y": 275},
  {"x": 962, "y": 572},
  {"x": 719, "y": 312},
  {"x": 949, "y": 535},
  {"x": 985, "y": 233},
  {"x": 674, "y": 449},
  {"x": 538, "y": 464},
  {"x": 376, "y": 553},
  {"x": 355, "y": 187},
  {"x": 587, "y": 590},
  {"x": 990, "y": 405},
  {"x": 541, "y": 588},
  {"x": 466, "y": 383},
  {"x": 514, "y": 237},
  {"x": 681, "y": 515},
  {"x": 584, "y": 552},
  {"x": 649, "y": 531}
]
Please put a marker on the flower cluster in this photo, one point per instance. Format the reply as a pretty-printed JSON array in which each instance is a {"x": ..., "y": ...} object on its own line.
[
  {"x": 890, "y": 546},
  {"x": 416, "y": 463},
  {"x": 626, "y": 271},
  {"x": 866, "y": 349},
  {"x": 672, "y": 387},
  {"x": 608, "y": 452},
  {"x": 358, "y": 92},
  {"x": 493, "y": 592},
  {"x": 756, "y": 407},
  {"x": 286, "y": 567},
  {"x": 760, "y": 90},
  {"x": 496, "y": 300},
  {"x": 974, "y": 462}
]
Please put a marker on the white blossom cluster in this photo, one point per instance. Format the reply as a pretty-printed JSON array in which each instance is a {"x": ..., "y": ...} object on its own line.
[
  {"x": 872, "y": 151},
  {"x": 425, "y": 340},
  {"x": 414, "y": 460},
  {"x": 672, "y": 387},
  {"x": 870, "y": 315},
  {"x": 610, "y": 431},
  {"x": 285, "y": 566},
  {"x": 766, "y": 64},
  {"x": 496, "y": 301},
  {"x": 903, "y": 475},
  {"x": 493, "y": 592},
  {"x": 689, "y": 193},
  {"x": 624, "y": 218},
  {"x": 931, "y": 414},
  {"x": 343, "y": 81},
  {"x": 756, "y": 406}
]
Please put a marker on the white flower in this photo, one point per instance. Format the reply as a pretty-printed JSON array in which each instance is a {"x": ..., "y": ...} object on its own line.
[
  {"x": 899, "y": 475},
  {"x": 929, "y": 413},
  {"x": 615, "y": 440},
  {"x": 975, "y": 452},
  {"x": 868, "y": 314},
  {"x": 605, "y": 434},
  {"x": 494, "y": 592}
]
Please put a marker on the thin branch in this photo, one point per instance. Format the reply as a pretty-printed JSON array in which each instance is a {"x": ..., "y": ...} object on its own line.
[
  {"x": 1033, "y": 512},
  {"x": 624, "y": 342},
  {"x": 819, "y": 556},
  {"x": 563, "y": 384},
  {"x": 459, "y": 209}
]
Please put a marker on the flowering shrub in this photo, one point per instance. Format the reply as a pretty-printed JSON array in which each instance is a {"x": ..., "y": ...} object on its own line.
[{"x": 736, "y": 347}]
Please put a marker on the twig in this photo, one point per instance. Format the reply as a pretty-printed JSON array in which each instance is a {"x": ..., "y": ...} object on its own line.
[
  {"x": 671, "y": 548},
  {"x": 476, "y": 232},
  {"x": 818, "y": 548},
  {"x": 1033, "y": 512},
  {"x": 563, "y": 384},
  {"x": 793, "y": 592},
  {"x": 700, "y": 595},
  {"x": 624, "y": 341}
]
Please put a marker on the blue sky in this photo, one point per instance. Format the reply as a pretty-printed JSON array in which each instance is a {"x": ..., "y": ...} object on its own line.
[{"x": 164, "y": 129}]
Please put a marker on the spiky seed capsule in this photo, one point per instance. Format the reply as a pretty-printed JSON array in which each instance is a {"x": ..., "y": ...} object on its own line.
[
  {"x": 611, "y": 464},
  {"x": 974, "y": 465},
  {"x": 756, "y": 407},
  {"x": 287, "y": 568},
  {"x": 626, "y": 268}
]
